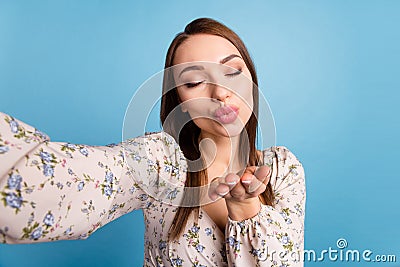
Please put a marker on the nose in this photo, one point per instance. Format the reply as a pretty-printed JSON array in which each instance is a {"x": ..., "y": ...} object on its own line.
[{"x": 220, "y": 93}]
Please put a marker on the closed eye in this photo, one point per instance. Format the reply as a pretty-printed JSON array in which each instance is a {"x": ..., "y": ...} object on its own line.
[
  {"x": 193, "y": 84},
  {"x": 234, "y": 73}
]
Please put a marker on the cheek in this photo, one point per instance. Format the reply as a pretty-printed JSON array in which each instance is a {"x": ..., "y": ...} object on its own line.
[
  {"x": 186, "y": 95},
  {"x": 195, "y": 101},
  {"x": 242, "y": 87},
  {"x": 200, "y": 122},
  {"x": 245, "y": 97},
  {"x": 181, "y": 94},
  {"x": 183, "y": 98}
]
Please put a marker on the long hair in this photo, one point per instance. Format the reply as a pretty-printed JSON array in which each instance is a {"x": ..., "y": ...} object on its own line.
[{"x": 189, "y": 144}]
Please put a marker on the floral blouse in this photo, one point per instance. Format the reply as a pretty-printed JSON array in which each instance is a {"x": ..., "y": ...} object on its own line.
[{"x": 53, "y": 191}]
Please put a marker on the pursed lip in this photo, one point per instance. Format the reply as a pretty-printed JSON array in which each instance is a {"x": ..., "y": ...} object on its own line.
[{"x": 226, "y": 114}]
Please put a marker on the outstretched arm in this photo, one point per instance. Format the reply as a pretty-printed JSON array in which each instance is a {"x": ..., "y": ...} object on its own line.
[{"x": 52, "y": 191}]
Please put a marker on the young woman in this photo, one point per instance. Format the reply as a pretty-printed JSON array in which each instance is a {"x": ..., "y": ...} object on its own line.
[{"x": 55, "y": 191}]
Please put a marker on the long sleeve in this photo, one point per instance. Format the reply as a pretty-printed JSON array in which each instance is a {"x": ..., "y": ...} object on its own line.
[
  {"x": 52, "y": 190},
  {"x": 275, "y": 236}
]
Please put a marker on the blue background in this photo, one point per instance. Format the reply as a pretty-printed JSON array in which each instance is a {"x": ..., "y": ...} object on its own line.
[{"x": 329, "y": 69}]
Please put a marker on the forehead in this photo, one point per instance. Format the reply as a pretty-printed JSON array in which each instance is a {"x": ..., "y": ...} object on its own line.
[{"x": 204, "y": 47}]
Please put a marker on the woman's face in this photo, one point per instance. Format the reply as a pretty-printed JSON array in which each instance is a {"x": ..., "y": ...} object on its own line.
[{"x": 214, "y": 84}]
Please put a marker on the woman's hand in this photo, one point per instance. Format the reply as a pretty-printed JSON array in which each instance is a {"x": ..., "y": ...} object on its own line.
[{"x": 241, "y": 193}]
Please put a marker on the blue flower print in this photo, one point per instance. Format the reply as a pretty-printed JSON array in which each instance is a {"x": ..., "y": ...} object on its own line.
[
  {"x": 293, "y": 170},
  {"x": 199, "y": 248},
  {"x": 70, "y": 146},
  {"x": 83, "y": 236},
  {"x": 108, "y": 190},
  {"x": 111, "y": 145},
  {"x": 48, "y": 219},
  {"x": 41, "y": 134},
  {"x": 143, "y": 197},
  {"x": 84, "y": 151},
  {"x": 231, "y": 241},
  {"x": 285, "y": 239},
  {"x": 162, "y": 245},
  {"x": 60, "y": 185},
  {"x": 13, "y": 200},
  {"x": 175, "y": 170},
  {"x": 194, "y": 229},
  {"x": 80, "y": 186},
  {"x": 36, "y": 234},
  {"x": 172, "y": 193},
  {"x": 241, "y": 225},
  {"x": 151, "y": 163},
  {"x": 167, "y": 168},
  {"x": 14, "y": 181},
  {"x": 255, "y": 252},
  {"x": 66, "y": 232},
  {"x": 283, "y": 214},
  {"x": 208, "y": 231},
  {"x": 14, "y": 126},
  {"x": 177, "y": 262},
  {"x": 46, "y": 156},
  {"x": 48, "y": 170},
  {"x": 4, "y": 149},
  {"x": 109, "y": 177},
  {"x": 147, "y": 205}
]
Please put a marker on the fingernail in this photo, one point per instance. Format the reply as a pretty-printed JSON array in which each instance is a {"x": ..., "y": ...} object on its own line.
[
  {"x": 223, "y": 193},
  {"x": 246, "y": 181},
  {"x": 232, "y": 183}
]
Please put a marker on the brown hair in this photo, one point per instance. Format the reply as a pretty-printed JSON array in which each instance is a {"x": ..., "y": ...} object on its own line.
[{"x": 189, "y": 144}]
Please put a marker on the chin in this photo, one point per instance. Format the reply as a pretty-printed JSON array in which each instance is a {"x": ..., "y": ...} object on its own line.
[{"x": 231, "y": 130}]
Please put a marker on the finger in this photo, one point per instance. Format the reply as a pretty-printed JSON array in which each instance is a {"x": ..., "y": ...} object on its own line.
[
  {"x": 226, "y": 184},
  {"x": 220, "y": 186},
  {"x": 247, "y": 178},
  {"x": 250, "y": 182},
  {"x": 212, "y": 193},
  {"x": 256, "y": 188},
  {"x": 231, "y": 180},
  {"x": 253, "y": 184},
  {"x": 222, "y": 190},
  {"x": 238, "y": 192},
  {"x": 263, "y": 174}
]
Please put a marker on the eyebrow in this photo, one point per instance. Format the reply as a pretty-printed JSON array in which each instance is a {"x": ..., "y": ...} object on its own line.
[
  {"x": 230, "y": 57},
  {"x": 198, "y": 67}
]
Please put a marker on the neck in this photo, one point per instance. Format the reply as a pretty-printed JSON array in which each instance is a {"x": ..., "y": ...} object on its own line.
[{"x": 220, "y": 152}]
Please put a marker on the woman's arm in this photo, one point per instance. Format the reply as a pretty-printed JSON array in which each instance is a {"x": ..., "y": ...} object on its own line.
[
  {"x": 51, "y": 190},
  {"x": 275, "y": 235}
]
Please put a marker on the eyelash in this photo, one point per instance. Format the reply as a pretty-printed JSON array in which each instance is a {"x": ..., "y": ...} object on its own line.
[
  {"x": 192, "y": 85},
  {"x": 239, "y": 71}
]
